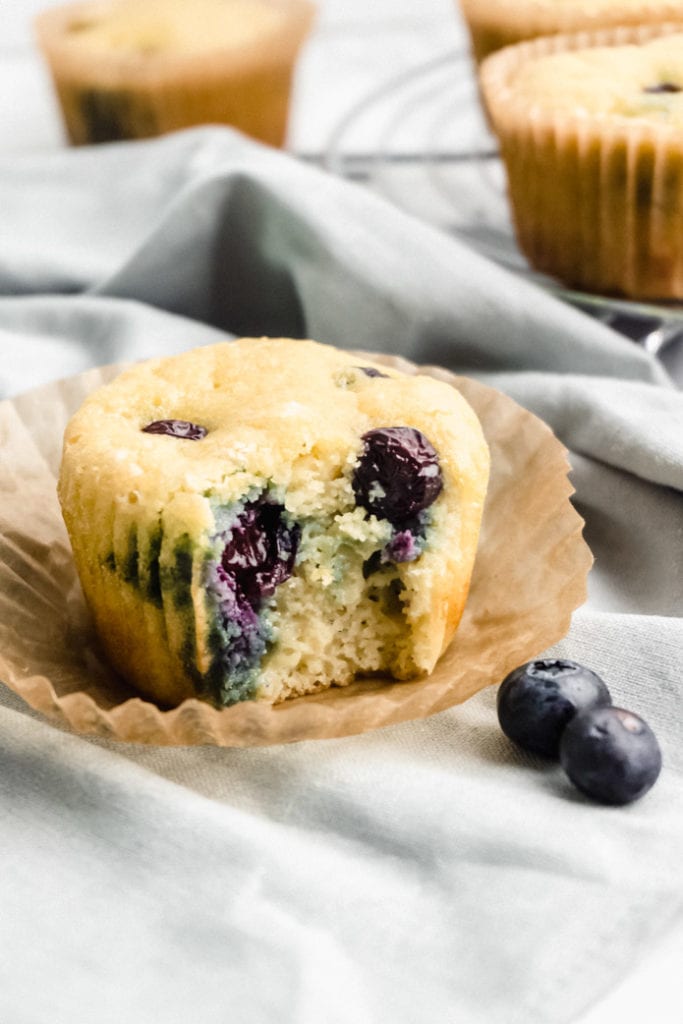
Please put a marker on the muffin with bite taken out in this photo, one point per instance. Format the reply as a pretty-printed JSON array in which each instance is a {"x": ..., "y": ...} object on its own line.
[{"x": 266, "y": 518}]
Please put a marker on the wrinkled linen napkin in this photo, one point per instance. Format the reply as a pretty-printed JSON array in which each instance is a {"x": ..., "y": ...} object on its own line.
[{"x": 425, "y": 872}]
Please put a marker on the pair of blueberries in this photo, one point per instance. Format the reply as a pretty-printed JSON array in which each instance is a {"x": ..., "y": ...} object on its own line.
[{"x": 560, "y": 709}]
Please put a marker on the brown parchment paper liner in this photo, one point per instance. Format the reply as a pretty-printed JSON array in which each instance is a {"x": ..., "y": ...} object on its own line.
[
  {"x": 131, "y": 96},
  {"x": 497, "y": 23},
  {"x": 529, "y": 575},
  {"x": 597, "y": 201}
]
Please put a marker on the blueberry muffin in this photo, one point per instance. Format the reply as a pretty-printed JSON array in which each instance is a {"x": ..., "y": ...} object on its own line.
[
  {"x": 497, "y": 23},
  {"x": 127, "y": 69},
  {"x": 266, "y": 518},
  {"x": 590, "y": 128}
]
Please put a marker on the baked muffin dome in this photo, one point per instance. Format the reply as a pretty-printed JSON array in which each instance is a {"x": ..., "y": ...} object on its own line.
[
  {"x": 494, "y": 24},
  {"x": 138, "y": 68},
  {"x": 590, "y": 133},
  {"x": 632, "y": 83},
  {"x": 265, "y": 518}
]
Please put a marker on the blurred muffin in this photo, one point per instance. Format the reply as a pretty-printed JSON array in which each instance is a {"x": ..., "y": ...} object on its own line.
[
  {"x": 497, "y": 23},
  {"x": 591, "y": 133},
  {"x": 130, "y": 69}
]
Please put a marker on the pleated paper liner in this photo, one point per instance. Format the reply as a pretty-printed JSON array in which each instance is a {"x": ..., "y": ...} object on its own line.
[
  {"x": 530, "y": 574},
  {"x": 597, "y": 200}
]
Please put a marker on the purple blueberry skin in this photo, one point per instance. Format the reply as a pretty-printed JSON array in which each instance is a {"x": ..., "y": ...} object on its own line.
[
  {"x": 403, "y": 547},
  {"x": 397, "y": 475},
  {"x": 611, "y": 755},
  {"x": 176, "y": 428},
  {"x": 537, "y": 700},
  {"x": 259, "y": 551},
  {"x": 370, "y": 371}
]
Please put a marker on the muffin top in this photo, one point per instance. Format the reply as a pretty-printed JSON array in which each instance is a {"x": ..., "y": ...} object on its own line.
[
  {"x": 634, "y": 82},
  {"x": 155, "y": 27},
  {"x": 240, "y": 416}
]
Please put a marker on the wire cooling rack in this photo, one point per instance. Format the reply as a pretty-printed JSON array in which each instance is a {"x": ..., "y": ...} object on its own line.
[{"x": 421, "y": 141}]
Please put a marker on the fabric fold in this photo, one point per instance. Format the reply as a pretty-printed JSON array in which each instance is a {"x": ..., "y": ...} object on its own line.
[{"x": 207, "y": 225}]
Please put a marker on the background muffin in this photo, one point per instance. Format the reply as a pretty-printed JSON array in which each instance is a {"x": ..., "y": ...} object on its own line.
[
  {"x": 129, "y": 69},
  {"x": 591, "y": 133},
  {"x": 497, "y": 23}
]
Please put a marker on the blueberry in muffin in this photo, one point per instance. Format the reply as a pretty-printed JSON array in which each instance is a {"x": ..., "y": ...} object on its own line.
[{"x": 494, "y": 24}]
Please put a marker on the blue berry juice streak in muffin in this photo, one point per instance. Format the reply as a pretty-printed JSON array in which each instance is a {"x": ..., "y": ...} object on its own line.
[
  {"x": 371, "y": 371},
  {"x": 258, "y": 553},
  {"x": 259, "y": 549},
  {"x": 611, "y": 755}
]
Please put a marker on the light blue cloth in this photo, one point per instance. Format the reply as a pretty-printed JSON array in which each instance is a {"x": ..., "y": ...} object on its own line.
[{"x": 427, "y": 872}]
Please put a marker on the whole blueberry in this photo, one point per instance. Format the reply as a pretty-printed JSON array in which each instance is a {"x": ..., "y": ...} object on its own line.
[
  {"x": 260, "y": 550},
  {"x": 538, "y": 699},
  {"x": 402, "y": 547},
  {"x": 611, "y": 755},
  {"x": 398, "y": 474},
  {"x": 176, "y": 428}
]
